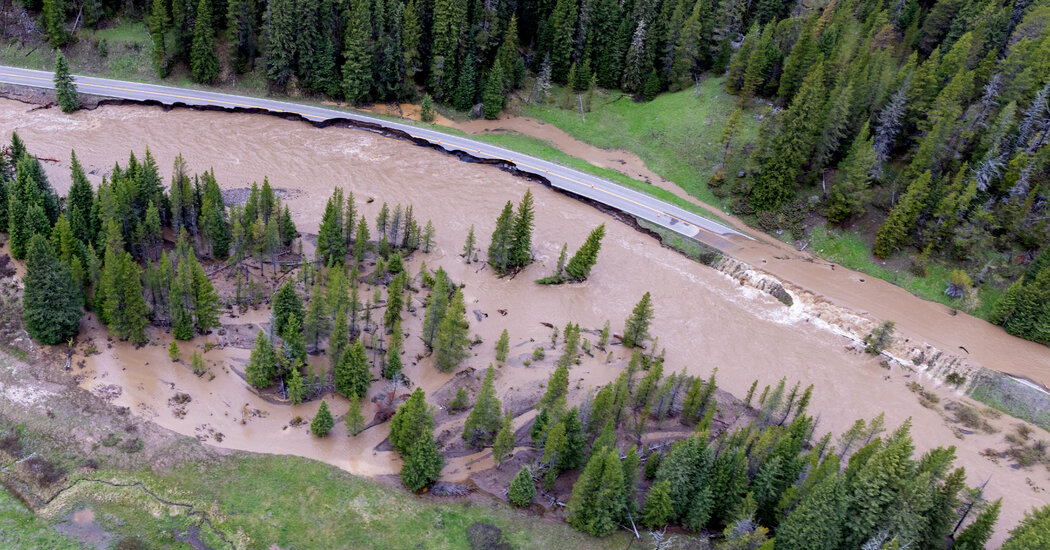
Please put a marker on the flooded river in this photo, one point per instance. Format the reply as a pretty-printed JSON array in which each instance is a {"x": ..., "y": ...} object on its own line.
[{"x": 704, "y": 318}]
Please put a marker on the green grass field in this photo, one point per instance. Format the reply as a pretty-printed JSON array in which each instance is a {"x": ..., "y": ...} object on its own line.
[
  {"x": 676, "y": 134},
  {"x": 259, "y": 500},
  {"x": 20, "y": 528}
]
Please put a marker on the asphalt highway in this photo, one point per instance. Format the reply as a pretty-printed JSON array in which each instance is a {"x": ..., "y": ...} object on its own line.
[{"x": 600, "y": 190}]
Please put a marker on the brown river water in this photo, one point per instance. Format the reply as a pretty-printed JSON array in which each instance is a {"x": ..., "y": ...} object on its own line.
[{"x": 704, "y": 318}]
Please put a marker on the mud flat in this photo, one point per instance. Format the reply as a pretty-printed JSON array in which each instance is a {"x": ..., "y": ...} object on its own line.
[{"x": 705, "y": 318}]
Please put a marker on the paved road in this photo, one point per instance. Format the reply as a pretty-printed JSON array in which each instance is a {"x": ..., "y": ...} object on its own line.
[{"x": 561, "y": 177}]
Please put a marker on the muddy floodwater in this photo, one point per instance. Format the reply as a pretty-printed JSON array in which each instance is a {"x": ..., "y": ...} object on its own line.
[{"x": 704, "y": 318}]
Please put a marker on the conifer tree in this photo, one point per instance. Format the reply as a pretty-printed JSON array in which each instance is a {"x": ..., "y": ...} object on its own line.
[
  {"x": 579, "y": 267},
  {"x": 286, "y": 305},
  {"x": 294, "y": 384},
  {"x": 331, "y": 245},
  {"x": 357, "y": 71},
  {"x": 658, "y": 509},
  {"x": 636, "y": 328},
  {"x": 493, "y": 98},
  {"x": 817, "y": 521},
  {"x": 323, "y": 421},
  {"x": 903, "y": 216},
  {"x": 355, "y": 421},
  {"x": 65, "y": 88},
  {"x": 393, "y": 365},
  {"x": 437, "y": 306},
  {"x": 597, "y": 497},
  {"x": 426, "y": 108},
  {"x": 205, "y": 299},
  {"x": 316, "y": 325},
  {"x": 484, "y": 421},
  {"x": 394, "y": 301},
  {"x": 502, "y": 346},
  {"x": 520, "y": 253},
  {"x": 452, "y": 340},
  {"x": 293, "y": 347},
  {"x": 503, "y": 446},
  {"x": 51, "y": 302},
  {"x": 204, "y": 61},
  {"x": 976, "y": 535},
  {"x": 851, "y": 188},
  {"x": 1032, "y": 532},
  {"x": 792, "y": 146},
  {"x": 468, "y": 246},
  {"x": 423, "y": 464},
  {"x": 411, "y": 423},
  {"x": 54, "y": 18},
  {"x": 522, "y": 488},
  {"x": 79, "y": 202},
  {"x": 352, "y": 375},
  {"x": 502, "y": 240},
  {"x": 262, "y": 364}
]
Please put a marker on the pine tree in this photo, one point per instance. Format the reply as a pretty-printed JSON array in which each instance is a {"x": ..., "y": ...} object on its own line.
[
  {"x": 579, "y": 267},
  {"x": 1032, "y": 532},
  {"x": 502, "y": 346},
  {"x": 494, "y": 97},
  {"x": 503, "y": 446},
  {"x": 522, "y": 488},
  {"x": 597, "y": 497},
  {"x": 205, "y": 299},
  {"x": 293, "y": 347},
  {"x": 54, "y": 16},
  {"x": 65, "y": 88},
  {"x": 357, "y": 71},
  {"x": 976, "y": 535},
  {"x": 502, "y": 240},
  {"x": 422, "y": 465},
  {"x": 851, "y": 188},
  {"x": 562, "y": 26},
  {"x": 636, "y": 328},
  {"x": 204, "y": 61},
  {"x": 792, "y": 146},
  {"x": 452, "y": 340},
  {"x": 294, "y": 383},
  {"x": 316, "y": 325},
  {"x": 484, "y": 420},
  {"x": 394, "y": 300},
  {"x": 817, "y": 521},
  {"x": 331, "y": 246},
  {"x": 466, "y": 85},
  {"x": 426, "y": 109},
  {"x": 262, "y": 364},
  {"x": 903, "y": 217},
  {"x": 411, "y": 423},
  {"x": 352, "y": 375},
  {"x": 658, "y": 509},
  {"x": 51, "y": 302},
  {"x": 520, "y": 253},
  {"x": 355, "y": 421},
  {"x": 322, "y": 422},
  {"x": 437, "y": 306},
  {"x": 286, "y": 306},
  {"x": 468, "y": 247},
  {"x": 392, "y": 368}
]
